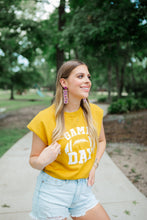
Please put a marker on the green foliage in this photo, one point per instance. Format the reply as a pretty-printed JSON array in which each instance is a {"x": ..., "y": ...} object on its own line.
[
  {"x": 102, "y": 99},
  {"x": 127, "y": 212},
  {"x": 119, "y": 106},
  {"x": 114, "y": 98},
  {"x": 136, "y": 83},
  {"x": 16, "y": 45},
  {"x": 126, "y": 105},
  {"x": 105, "y": 34},
  {"x": 132, "y": 104}
]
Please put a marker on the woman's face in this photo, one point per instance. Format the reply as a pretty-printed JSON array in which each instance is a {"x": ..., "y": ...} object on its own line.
[{"x": 78, "y": 83}]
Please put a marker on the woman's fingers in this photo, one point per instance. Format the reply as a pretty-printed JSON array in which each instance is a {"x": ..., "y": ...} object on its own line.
[
  {"x": 49, "y": 154},
  {"x": 90, "y": 181}
]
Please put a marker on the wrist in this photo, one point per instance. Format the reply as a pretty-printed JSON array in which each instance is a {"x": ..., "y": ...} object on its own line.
[{"x": 96, "y": 163}]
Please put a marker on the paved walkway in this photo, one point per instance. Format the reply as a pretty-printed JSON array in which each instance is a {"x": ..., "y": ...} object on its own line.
[{"x": 17, "y": 181}]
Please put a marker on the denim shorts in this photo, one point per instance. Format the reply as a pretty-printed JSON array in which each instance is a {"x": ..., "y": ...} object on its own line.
[{"x": 58, "y": 199}]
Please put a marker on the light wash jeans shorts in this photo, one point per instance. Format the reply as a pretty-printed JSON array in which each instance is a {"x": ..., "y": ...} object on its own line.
[{"x": 57, "y": 199}]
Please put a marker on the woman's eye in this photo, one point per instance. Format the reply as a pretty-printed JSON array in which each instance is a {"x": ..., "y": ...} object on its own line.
[{"x": 80, "y": 76}]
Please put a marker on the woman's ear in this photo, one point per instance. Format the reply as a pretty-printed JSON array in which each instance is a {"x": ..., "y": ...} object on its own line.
[{"x": 63, "y": 82}]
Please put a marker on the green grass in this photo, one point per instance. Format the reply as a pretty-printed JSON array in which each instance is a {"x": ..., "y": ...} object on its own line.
[
  {"x": 9, "y": 136},
  {"x": 22, "y": 101},
  {"x": 127, "y": 212}
]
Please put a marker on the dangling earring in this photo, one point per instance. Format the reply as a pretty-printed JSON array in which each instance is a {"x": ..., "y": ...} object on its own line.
[
  {"x": 84, "y": 100},
  {"x": 65, "y": 95}
]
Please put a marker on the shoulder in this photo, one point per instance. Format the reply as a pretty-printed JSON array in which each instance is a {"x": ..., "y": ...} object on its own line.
[
  {"x": 95, "y": 109},
  {"x": 44, "y": 119},
  {"x": 43, "y": 123},
  {"x": 45, "y": 116},
  {"x": 47, "y": 112}
]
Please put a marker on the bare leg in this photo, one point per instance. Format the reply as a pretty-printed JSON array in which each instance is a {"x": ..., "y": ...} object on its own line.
[{"x": 96, "y": 213}]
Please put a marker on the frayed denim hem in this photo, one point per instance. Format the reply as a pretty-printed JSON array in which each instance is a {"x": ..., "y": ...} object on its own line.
[
  {"x": 48, "y": 218},
  {"x": 61, "y": 218},
  {"x": 33, "y": 217},
  {"x": 84, "y": 213}
]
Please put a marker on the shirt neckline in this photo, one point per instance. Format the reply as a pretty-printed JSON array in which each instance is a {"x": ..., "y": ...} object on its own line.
[{"x": 73, "y": 114}]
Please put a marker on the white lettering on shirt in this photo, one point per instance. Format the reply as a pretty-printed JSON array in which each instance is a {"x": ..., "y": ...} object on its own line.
[
  {"x": 68, "y": 147},
  {"x": 80, "y": 130},
  {"x": 82, "y": 155},
  {"x": 72, "y": 158},
  {"x": 89, "y": 151},
  {"x": 73, "y": 133},
  {"x": 67, "y": 135},
  {"x": 80, "y": 141}
]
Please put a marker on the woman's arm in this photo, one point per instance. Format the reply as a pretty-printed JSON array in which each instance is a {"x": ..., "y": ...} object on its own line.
[
  {"x": 102, "y": 144},
  {"x": 42, "y": 155},
  {"x": 99, "y": 154}
]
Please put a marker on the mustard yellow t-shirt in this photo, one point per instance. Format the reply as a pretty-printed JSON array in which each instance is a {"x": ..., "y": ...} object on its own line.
[{"x": 77, "y": 155}]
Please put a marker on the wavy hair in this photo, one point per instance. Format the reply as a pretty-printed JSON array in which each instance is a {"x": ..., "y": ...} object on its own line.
[{"x": 64, "y": 72}]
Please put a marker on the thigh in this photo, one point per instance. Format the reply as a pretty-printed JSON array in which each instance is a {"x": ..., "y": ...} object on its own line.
[{"x": 96, "y": 213}]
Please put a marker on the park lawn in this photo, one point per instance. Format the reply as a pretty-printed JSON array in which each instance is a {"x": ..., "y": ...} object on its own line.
[
  {"x": 9, "y": 135},
  {"x": 22, "y": 101}
]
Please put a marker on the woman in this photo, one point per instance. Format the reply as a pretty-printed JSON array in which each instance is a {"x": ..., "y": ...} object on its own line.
[{"x": 68, "y": 143}]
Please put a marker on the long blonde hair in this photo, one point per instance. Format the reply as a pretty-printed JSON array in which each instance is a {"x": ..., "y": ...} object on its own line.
[{"x": 64, "y": 72}]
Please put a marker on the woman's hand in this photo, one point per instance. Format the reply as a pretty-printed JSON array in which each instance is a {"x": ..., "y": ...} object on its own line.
[
  {"x": 41, "y": 155},
  {"x": 49, "y": 154},
  {"x": 99, "y": 154},
  {"x": 91, "y": 178}
]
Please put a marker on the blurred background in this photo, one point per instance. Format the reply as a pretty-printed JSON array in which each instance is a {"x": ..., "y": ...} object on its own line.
[{"x": 110, "y": 36}]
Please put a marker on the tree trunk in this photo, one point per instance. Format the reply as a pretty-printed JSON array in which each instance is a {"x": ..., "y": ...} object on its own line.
[
  {"x": 12, "y": 93},
  {"x": 118, "y": 81},
  {"x": 61, "y": 23},
  {"x": 122, "y": 79},
  {"x": 109, "y": 81},
  {"x": 60, "y": 57},
  {"x": 123, "y": 71},
  {"x": 76, "y": 53}
]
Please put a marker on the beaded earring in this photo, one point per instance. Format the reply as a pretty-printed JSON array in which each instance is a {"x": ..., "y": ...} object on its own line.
[
  {"x": 84, "y": 100},
  {"x": 65, "y": 95}
]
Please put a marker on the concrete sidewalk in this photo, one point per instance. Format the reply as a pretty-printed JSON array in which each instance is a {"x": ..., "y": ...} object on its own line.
[{"x": 117, "y": 194}]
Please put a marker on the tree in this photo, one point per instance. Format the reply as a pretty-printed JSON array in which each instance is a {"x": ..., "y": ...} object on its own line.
[
  {"x": 61, "y": 23},
  {"x": 137, "y": 79},
  {"x": 107, "y": 30},
  {"x": 8, "y": 45},
  {"x": 105, "y": 34},
  {"x": 15, "y": 44}
]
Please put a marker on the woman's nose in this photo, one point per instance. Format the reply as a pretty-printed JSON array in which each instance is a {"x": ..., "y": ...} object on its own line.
[{"x": 86, "y": 79}]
